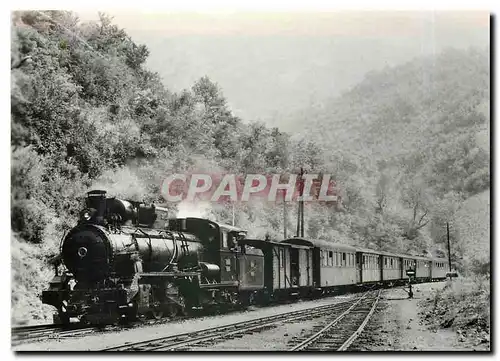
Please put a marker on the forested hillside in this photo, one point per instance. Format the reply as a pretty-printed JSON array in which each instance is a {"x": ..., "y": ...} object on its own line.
[
  {"x": 86, "y": 113},
  {"x": 409, "y": 144}
]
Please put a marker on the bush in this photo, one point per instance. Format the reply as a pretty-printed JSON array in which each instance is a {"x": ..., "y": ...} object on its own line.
[{"x": 464, "y": 305}]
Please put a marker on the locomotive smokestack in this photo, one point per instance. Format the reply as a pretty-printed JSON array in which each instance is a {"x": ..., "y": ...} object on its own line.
[{"x": 97, "y": 199}]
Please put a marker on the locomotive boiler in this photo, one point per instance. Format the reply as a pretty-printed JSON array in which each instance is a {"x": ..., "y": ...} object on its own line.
[{"x": 125, "y": 259}]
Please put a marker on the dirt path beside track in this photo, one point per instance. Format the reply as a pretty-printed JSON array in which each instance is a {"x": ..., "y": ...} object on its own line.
[{"x": 396, "y": 326}]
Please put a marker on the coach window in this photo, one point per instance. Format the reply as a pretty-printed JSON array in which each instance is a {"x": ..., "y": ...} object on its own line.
[
  {"x": 282, "y": 257},
  {"x": 224, "y": 240},
  {"x": 330, "y": 258},
  {"x": 323, "y": 258}
]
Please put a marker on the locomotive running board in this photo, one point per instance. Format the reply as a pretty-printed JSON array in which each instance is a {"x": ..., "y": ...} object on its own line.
[
  {"x": 219, "y": 285},
  {"x": 167, "y": 274}
]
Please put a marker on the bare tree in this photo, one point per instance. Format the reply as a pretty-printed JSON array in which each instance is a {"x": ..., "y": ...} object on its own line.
[{"x": 416, "y": 196}]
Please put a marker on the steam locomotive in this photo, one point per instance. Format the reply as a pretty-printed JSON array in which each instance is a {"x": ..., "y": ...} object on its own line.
[{"x": 125, "y": 259}]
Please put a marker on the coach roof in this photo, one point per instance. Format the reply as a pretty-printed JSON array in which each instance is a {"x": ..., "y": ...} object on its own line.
[{"x": 319, "y": 243}]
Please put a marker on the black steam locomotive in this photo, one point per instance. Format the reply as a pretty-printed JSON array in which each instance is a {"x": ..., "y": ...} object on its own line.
[{"x": 125, "y": 259}]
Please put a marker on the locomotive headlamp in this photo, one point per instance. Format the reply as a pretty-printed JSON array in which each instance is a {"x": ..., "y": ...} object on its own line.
[{"x": 86, "y": 215}]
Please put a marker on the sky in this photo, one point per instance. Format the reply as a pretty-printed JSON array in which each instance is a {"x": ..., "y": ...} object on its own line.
[{"x": 272, "y": 65}]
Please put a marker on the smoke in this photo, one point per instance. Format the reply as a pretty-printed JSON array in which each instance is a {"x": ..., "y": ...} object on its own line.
[
  {"x": 190, "y": 209},
  {"x": 122, "y": 183}
]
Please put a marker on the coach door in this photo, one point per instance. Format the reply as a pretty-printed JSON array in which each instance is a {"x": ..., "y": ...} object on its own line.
[
  {"x": 295, "y": 267},
  {"x": 359, "y": 267},
  {"x": 305, "y": 271},
  {"x": 316, "y": 267}
]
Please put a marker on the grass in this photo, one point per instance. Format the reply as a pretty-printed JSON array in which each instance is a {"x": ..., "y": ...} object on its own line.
[
  {"x": 464, "y": 306},
  {"x": 29, "y": 276}
]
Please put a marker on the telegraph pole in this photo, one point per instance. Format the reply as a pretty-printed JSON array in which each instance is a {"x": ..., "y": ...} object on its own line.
[
  {"x": 233, "y": 212},
  {"x": 284, "y": 217},
  {"x": 449, "y": 248},
  {"x": 302, "y": 218},
  {"x": 300, "y": 214}
]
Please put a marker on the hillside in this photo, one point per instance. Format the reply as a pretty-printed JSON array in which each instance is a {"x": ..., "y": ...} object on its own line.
[
  {"x": 411, "y": 143},
  {"x": 473, "y": 223},
  {"x": 402, "y": 109}
]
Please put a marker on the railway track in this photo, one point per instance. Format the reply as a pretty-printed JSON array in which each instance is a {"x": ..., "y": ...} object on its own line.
[
  {"x": 349, "y": 311},
  {"x": 338, "y": 331},
  {"x": 211, "y": 336},
  {"x": 32, "y": 333}
]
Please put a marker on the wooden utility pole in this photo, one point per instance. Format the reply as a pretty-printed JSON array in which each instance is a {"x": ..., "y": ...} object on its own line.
[
  {"x": 285, "y": 218},
  {"x": 449, "y": 248},
  {"x": 233, "y": 212},
  {"x": 300, "y": 214},
  {"x": 302, "y": 219}
]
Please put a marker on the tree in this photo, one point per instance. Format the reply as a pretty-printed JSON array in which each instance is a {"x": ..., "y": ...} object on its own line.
[
  {"x": 416, "y": 196},
  {"x": 381, "y": 193}
]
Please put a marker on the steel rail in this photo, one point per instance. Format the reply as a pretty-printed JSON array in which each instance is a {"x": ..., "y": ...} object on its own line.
[
  {"x": 360, "y": 329},
  {"x": 310, "y": 340},
  {"x": 220, "y": 332}
]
